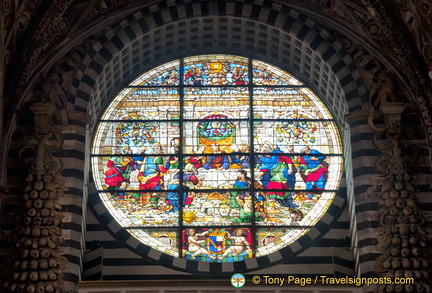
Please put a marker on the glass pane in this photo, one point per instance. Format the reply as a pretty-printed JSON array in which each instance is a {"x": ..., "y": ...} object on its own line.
[
  {"x": 144, "y": 104},
  {"x": 157, "y": 162},
  {"x": 217, "y": 244},
  {"x": 226, "y": 208},
  {"x": 271, "y": 240},
  {"x": 216, "y": 133},
  {"x": 313, "y": 205},
  {"x": 141, "y": 208},
  {"x": 114, "y": 171},
  {"x": 202, "y": 102},
  {"x": 290, "y": 103},
  {"x": 312, "y": 170},
  {"x": 132, "y": 172},
  {"x": 215, "y": 70},
  {"x": 295, "y": 136},
  {"x": 163, "y": 239},
  {"x": 166, "y": 75},
  {"x": 113, "y": 202},
  {"x": 266, "y": 74},
  {"x": 295, "y": 208},
  {"x": 135, "y": 138},
  {"x": 216, "y": 171},
  {"x": 130, "y": 210}
]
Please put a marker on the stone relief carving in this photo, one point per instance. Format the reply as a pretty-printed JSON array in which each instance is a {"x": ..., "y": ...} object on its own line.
[
  {"x": 402, "y": 239},
  {"x": 378, "y": 82},
  {"x": 51, "y": 28},
  {"x": 417, "y": 16},
  {"x": 4, "y": 193},
  {"x": 53, "y": 93},
  {"x": 378, "y": 96},
  {"x": 38, "y": 264},
  {"x": 394, "y": 41}
]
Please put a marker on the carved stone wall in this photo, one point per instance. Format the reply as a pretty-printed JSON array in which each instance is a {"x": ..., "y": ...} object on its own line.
[
  {"x": 402, "y": 238},
  {"x": 37, "y": 264},
  {"x": 131, "y": 35}
]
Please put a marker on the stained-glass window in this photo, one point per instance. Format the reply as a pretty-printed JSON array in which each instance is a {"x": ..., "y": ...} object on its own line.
[{"x": 217, "y": 158}]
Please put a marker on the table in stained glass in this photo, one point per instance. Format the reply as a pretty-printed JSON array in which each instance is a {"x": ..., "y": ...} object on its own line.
[{"x": 216, "y": 158}]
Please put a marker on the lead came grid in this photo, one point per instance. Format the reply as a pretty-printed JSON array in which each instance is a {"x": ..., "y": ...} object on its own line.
[{"x": 200, "y": 163}]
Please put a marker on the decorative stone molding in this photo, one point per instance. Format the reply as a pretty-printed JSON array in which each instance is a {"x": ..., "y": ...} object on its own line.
[
  {"x": 406, "y": 56},
  {"x": 38, "y": 264},
  {"x": 392, "y": 113},
  {"x": 417, "y": 16},
  {"x": 4, "y": 193},
  {"x": 51, "y": 28},
  {"x": 402, "y": 239}
]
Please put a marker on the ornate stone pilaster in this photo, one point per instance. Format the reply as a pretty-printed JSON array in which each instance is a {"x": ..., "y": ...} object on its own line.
[
  {"x": 392, "y": 114},
  {"x": 402, "y": 239},
  {"x": 38, "y": 264}
]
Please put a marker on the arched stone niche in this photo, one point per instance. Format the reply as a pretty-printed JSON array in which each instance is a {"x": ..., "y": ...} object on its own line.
[{"x": 125, "y": 50}]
